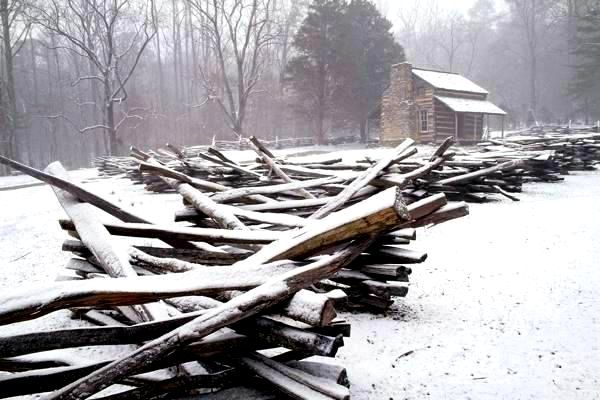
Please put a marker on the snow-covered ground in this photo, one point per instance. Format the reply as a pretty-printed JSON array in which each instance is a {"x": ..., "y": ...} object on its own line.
[{"x": 506, "y": 307}]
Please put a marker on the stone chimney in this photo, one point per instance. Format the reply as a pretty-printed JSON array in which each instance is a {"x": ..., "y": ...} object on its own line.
[{"x": 399, "y": 116}]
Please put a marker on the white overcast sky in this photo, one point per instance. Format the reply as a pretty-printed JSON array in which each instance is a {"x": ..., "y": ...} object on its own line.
[{"x": 391, "y": 7}]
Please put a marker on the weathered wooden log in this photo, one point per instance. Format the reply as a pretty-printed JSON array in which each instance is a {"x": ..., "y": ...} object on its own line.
[
  {"x": 162, "y": 171},
  {"x": 45, "y": 380},
  {"x": 87, "y": 196},
  {"x": 16, "y": 345},
  {"x": 320, "y": 367},
  {"x": 190, "y": 214},
  {"x": 385, "y": 289},
  {"x": 362, "y": 181},
  {"x": 279, "y": 334},
  {"x": 21, "y": 364},
  {"x": 409, "y": 233},
  {"x": 313, "y": 309},
  {"x": 242, "y": 307},
  {"x": 260, "y": 150},
  {"x": 195, "y": 234},
  {"x": 230, "y": 164},
  {"x": 295, "y": 382},
  {"x": 401, "y": 180},
  {"x": 313, "y": 366},
  {"x": 399, "y": 254},
  {"x": 428, "y": 205},
  {"x": 224, "y": 217},
  {"x": 177, "y": 386},
  {"x": 286, "y": 205},
  {"x": 112, "y": 256},
  {"x": 390, "y": 271},
  {"x": 444, "y": 214},
  {"x": 263, "y": 329},
  {"x": 196, "y": 256},
  {"x": 273, "y": 189},
  {"x": 384, "y": 211},
  {"x": 372, "y": 302},
  {"x": 21, "y": 304},
  {"x": 482, "y": 172}
]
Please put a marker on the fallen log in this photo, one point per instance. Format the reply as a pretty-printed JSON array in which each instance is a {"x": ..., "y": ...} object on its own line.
[{"x": 112, "y": 257}]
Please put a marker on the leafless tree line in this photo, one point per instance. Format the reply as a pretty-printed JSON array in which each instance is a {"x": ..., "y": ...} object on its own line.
[
  {"x": 82, "y": 78},
  {"x": 87, "y": 77}
]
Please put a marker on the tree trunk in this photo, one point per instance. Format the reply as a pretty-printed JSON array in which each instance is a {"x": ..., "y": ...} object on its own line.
[
  {"x": 320, "y": 139},
  {"x": 363, "y": 131},
  {"x": 110, "y": 123},
  {"x": 11, "y": 106},
  {"x": 161, "y": 85}
]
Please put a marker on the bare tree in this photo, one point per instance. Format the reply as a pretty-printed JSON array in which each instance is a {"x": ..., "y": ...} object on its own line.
[
  {"x": 238, "y": 33},
  {"x": 112, "y": 35},
  {"x": 451, "y": 38},
  {"x": 15, "y": 28}
]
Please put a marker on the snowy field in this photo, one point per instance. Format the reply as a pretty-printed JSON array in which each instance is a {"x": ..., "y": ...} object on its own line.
[{"x": 506, "y": 307}]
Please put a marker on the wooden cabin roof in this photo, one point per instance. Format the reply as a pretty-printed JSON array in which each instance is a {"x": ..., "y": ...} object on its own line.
[
  {"x": 462, "y": 105},
  {"x": 448, "y": 81}
]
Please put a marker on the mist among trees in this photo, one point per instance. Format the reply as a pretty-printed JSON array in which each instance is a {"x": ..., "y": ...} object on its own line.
[{"x": 82, "y": 78}]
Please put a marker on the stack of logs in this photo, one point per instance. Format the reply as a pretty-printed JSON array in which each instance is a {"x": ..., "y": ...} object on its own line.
[
  {"x": 470, "y": 176},
  {"x": 244, "y": 297},
  {"x": 570, "y": 152}
]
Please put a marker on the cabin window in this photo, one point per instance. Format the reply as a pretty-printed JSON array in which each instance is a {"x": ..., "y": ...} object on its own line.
[
  {"x": 421, "y": 91},
  {"x": 424, "y": 120}
]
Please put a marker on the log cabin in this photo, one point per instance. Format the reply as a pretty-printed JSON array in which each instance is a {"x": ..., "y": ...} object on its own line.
[{"x": 428, "y": 106}]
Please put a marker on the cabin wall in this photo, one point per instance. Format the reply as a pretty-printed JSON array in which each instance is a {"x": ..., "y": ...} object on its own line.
[
  {"x": 425, "y": 102},
  {"x": 472, "y": 128},
  {"x": 470, "y": 125},
  {"x": 445, "y": 121}
]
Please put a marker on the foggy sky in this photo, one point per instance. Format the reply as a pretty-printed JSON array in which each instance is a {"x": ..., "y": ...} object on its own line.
[{"x": 390, "y": 7}]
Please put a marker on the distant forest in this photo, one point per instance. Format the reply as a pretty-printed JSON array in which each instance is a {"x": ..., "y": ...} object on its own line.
[{"x": 82, "y": 78}]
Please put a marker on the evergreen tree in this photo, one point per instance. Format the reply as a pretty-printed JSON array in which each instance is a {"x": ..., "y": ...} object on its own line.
[
  {"x": 312, "y": 71},
  {"x": 344, "y": 56},
  {"x": 368, "y": 51},
  {"x": 585, "y": 88}
]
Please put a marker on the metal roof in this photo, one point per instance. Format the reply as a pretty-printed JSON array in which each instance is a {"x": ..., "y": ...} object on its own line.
[
  {"x": 448, "y": 81},
  {"x": 471, "y": 106}
]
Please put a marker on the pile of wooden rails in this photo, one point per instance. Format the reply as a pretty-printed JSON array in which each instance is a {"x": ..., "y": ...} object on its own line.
[
  {"x": 572, "y": 150},
  {"x": 470, "y": 176},
  {"x": 277, "y": 143},
  {"x": 241, "y": 303}
]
